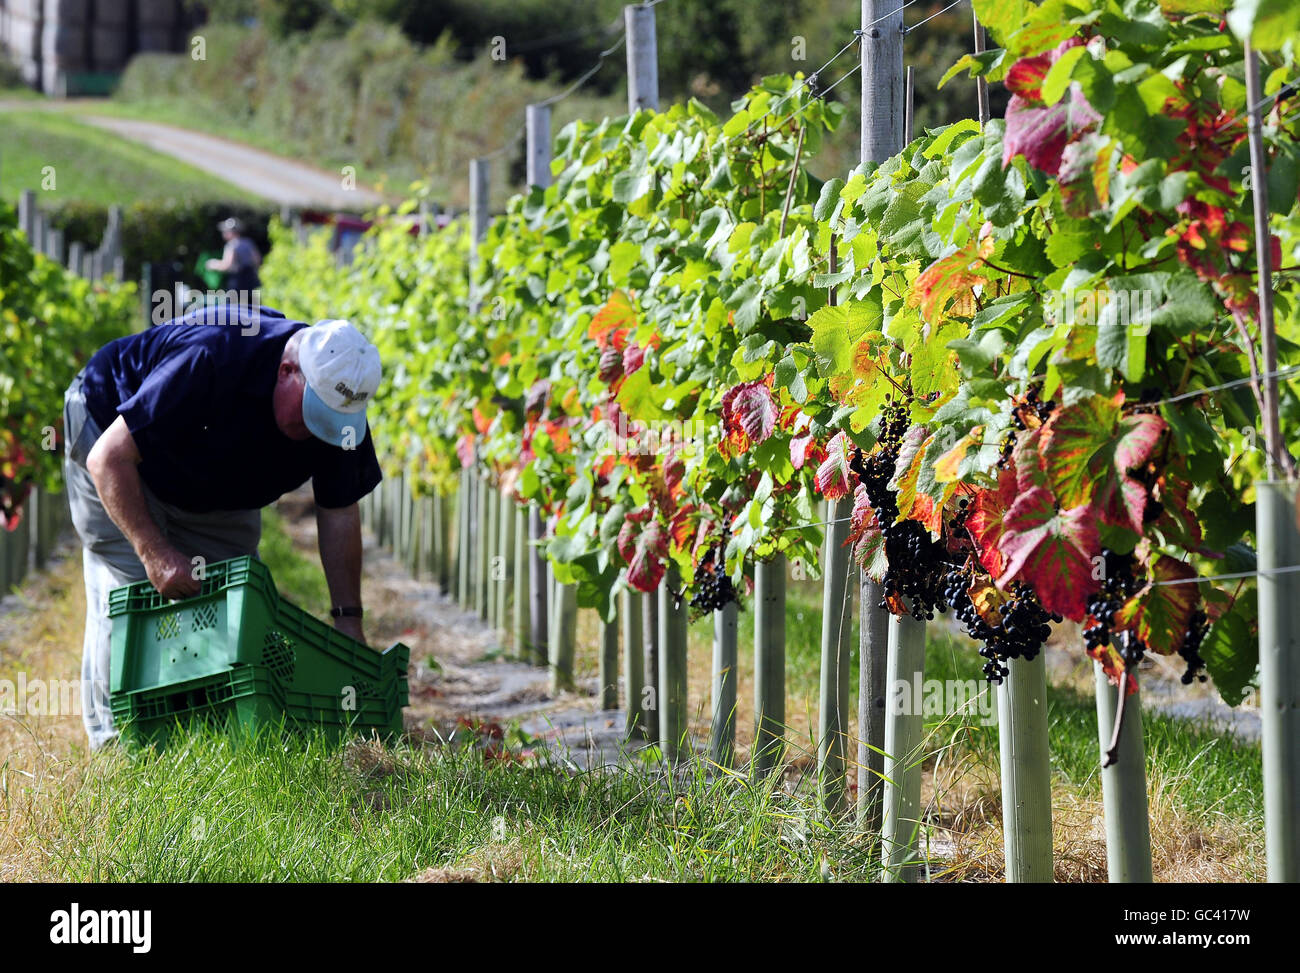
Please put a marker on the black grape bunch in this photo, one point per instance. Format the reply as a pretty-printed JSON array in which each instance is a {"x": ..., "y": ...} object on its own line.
[
  {"x": 713, "y": 588},
  {"x": 916, "y": 562},
  {"x": 1018, "y": 630},
  {"x": 1119, "y": 584}
]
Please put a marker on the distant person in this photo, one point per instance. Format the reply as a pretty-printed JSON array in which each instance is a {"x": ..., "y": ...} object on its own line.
[{"x": 240, "y": 260}]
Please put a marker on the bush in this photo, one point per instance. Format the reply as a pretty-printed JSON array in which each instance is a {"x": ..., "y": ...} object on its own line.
[{"x": 165, "y": 233}]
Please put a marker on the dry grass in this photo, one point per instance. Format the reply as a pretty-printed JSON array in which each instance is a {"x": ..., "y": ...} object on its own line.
[{"x": 43, "y": 758}]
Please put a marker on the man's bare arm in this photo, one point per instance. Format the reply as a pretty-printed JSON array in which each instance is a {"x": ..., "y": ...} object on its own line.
[
  {"x": 114, "y": 466},
  {"x": 338, "y": 531}
]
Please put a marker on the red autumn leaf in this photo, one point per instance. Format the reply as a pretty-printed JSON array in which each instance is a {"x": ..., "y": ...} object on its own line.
[
  {"x": 674, "y": 468},
  {"x": 1177, "y": 521},
  {"x": 832, "y": 479},
  {"x": 863, "y": 516},
  {"x": 750, "y": 408},
  {"x": 606, "y": 467},
  {"x": 927, "y": 513},
  {"x": 1051, "y": 550},
  {"x": 465, "y": 450},
  {"x": 1041, "y": 134},
  {"x": 611, "y": 364},
  {"x": 1238, "y": 237},
  {"x": 907, "y": 468},
  {"x": 682, "y": 527},
  {"x": 617, "y": 313},
  {"x": 1088, "y": 450},
  {"x": 804, "y": 450},
  {"x": 535, "y": 401},
  {"x": 633, "y": 358},
  {"x": 1160, "y": 613},
  {"x": 559, "y": 436},
  {"x": 866, "y": 538},
  {"x": 985, "y": 522},
  {"x": 1025, "y": 78},
  {"x": 869, "y": 553},
  {"x": 1112, "y": 663},
  {"x": 643, "y": 543},
  {"x": 1027, "y": 462}
]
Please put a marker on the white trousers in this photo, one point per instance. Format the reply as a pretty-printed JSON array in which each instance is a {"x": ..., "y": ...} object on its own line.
[{"x": 109, "y": 560}]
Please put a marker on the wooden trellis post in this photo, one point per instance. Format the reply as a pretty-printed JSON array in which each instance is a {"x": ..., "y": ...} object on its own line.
[
  {"x": 464, "y": 502},
  {"x": 482, "y": 543},
  {"x": 872, "y": 685},
  {"x": 538, "y": 589},
  {"x": 904, "y": 728},
  {"x": 1277, "y": 528},
  {"x": 650, "y": 656},
  {"x": 609, "y": 664},
  {"x": 642, "y": 58},
  {"x": 564, "y": 620},
  {"x": 505, "y": 556},
  {"x": 27, "y": 213},
  {"x": 492, "y": 590},
  {"x": 1279, "y": 674},
  {"x": 444, "y": 504},
  {"x": 537, "y": 125},
  {"x": 883, "y": 105}
]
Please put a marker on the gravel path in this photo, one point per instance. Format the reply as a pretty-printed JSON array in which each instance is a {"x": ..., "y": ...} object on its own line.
[
  {"x": 279, "y": 180},
  {"x": 457, "y": 671}
]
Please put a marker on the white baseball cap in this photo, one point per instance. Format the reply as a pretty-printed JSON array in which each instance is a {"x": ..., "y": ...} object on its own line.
[{"x": 342, "y": 372}]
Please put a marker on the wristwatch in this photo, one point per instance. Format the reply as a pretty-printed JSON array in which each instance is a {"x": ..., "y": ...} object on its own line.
[{"x": 347, "y": 611}]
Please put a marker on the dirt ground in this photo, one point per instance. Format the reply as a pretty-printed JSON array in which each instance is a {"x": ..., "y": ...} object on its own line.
[{"x": 458, "y": 669}]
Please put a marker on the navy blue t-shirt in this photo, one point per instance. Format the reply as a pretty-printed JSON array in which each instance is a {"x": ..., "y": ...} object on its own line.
[{"x": 197, "y": 397}]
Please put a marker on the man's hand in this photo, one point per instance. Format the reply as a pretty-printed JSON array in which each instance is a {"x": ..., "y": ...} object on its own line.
[
  {"x": 170, "y": 571},
  {"x": 114, "y": 463},
  {"x": 352, "y": 627}
]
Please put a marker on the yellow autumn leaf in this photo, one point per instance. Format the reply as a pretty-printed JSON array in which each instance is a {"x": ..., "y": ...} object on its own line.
[{"x": 946, "y": 466}]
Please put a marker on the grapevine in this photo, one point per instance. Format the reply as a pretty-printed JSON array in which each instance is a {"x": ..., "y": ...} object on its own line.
[{"x": 1013, "y": 387}]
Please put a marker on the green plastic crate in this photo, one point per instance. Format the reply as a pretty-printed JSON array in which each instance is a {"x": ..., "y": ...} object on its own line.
[
  {"x": 247, "y": 699},
  {"x": 238, "y": 621}
]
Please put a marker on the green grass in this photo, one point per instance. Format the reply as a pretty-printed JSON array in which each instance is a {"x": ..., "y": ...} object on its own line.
[
  {"x": 266, "y": 808},
  {"x": 1209, "y": 773},
  {"x": 92, "y": 165},
  {"x": 215, "y": 809},
  {"x": 270, "y": 808}
]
